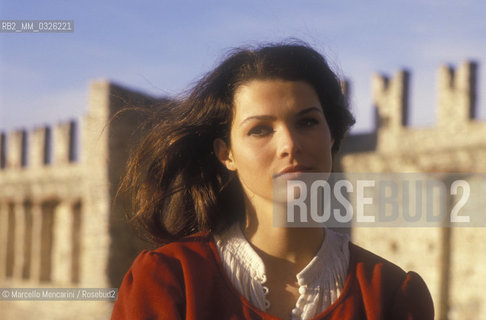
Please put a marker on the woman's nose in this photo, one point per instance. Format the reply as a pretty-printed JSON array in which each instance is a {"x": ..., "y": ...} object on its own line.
[{"x": 288, "y": 143}]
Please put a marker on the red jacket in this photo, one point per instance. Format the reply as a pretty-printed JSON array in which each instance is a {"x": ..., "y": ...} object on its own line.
[{"x": 186, "y": 280}]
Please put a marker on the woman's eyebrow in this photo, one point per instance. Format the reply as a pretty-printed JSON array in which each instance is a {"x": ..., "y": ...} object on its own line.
[
  {"x": 302, "y": 112},
  {"x": 258, "y": 117},
  {"x": 269, "y": 117}
]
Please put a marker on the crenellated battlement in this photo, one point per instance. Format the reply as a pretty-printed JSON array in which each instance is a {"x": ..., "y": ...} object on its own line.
[
  {"x": 30, "y": 149},
  {"x": 456, "y": 97},
  {"x": 74, "y": 142},
  {"x": 390, "y": 97},
  {"x": 457, "y": 122},
  {"x": 457, "y": 94}
]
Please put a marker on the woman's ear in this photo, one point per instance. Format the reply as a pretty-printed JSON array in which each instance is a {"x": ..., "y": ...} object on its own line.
[{"x": 223, "y": 153}]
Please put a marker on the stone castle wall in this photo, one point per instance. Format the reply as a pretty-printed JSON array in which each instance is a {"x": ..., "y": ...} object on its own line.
[
  {"x": 59, "y": 227},
  {"x": 450, "y": 260}
]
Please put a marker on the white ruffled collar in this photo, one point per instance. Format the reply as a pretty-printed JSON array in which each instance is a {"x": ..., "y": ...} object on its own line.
[{"x": 320, "y": 282}]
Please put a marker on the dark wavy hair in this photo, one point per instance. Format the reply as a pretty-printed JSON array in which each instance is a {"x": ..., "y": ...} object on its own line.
[{"x": 177, "y": 184}]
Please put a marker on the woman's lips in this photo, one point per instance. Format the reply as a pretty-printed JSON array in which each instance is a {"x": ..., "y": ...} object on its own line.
[{"x": 292, "y": 171}]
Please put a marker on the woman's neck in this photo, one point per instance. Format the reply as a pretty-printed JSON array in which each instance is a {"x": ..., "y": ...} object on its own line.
[
  {"x": 295, "y": 245},
  {"x": 284, "y": 252}
]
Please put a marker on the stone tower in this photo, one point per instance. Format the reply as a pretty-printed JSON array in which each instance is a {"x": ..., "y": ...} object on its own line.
[{"x": 59, "y": 226}]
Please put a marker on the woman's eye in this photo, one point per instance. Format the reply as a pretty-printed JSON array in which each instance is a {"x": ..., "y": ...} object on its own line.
[
  {"x": 307, "y": 122},
  {"x": 260, "y": 131}
]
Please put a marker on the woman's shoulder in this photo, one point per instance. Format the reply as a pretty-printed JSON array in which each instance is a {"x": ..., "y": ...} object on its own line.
[
  {"x": 195, "y": 246},
  {"x": 405, "y": 292},
  {"x": 367, "y": 259},
  {"x": 368, "y": 265},
  {"x": 195, "y": 242},
  {"x": 155, "y": 283}
]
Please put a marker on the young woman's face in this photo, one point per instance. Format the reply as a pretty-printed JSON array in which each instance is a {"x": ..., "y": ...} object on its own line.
[{"x": 278, "y": 129}]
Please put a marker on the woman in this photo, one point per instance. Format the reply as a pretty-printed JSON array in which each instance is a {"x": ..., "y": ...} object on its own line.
[{"x": 202, "y": 182}]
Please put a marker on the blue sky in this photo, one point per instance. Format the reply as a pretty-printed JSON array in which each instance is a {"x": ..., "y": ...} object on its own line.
[{"x": 161, "y": 47}]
